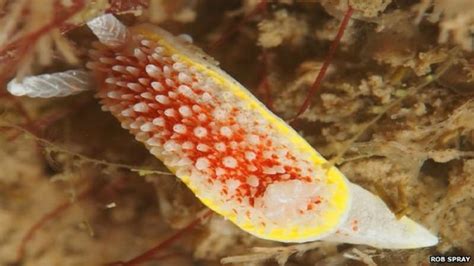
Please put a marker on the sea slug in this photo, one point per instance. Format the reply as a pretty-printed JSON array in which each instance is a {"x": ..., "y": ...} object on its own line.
[{"x": 238, "y": 158}]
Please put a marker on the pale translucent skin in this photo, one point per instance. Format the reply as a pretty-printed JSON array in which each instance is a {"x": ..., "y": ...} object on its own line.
[
  {"x": 372, "y": 223},
  {"x": 284, "y": 200},
  {"x": 369, "y": 220}
]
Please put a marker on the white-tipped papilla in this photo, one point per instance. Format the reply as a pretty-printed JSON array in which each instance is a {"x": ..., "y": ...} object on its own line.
[
  {"x": 109, "y": 30},
  {"x": 185, "y": 38},
  {"x": 370, "y": 222},
  {"x": 51, "y": 85}
]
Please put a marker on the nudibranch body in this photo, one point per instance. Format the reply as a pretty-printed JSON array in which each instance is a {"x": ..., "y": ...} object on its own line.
[{"x": 238, "y": 158}]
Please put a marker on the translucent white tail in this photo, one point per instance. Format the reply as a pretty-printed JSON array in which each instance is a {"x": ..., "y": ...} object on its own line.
[{"x": 370, "y": 222}]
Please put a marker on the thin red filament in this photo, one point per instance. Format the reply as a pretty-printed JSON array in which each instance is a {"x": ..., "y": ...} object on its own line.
[
  {"x": 330, "y": 55},
  {"x": 261, "y": 7},
  {"x": 54, "y": 213},
  {"x": 19, "y": 46},
  {"x": 150, "y": 254}
]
